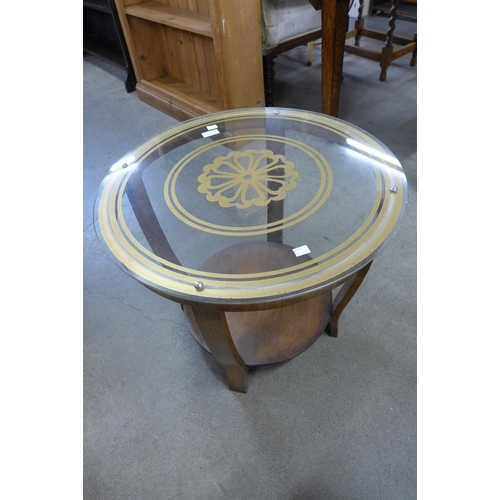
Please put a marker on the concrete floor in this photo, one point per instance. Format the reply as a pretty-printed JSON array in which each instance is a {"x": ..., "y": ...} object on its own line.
[{"x": 336, "y": 422}]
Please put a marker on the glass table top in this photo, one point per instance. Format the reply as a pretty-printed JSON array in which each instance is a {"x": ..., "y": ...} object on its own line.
[{"x": 251, "y": 206}]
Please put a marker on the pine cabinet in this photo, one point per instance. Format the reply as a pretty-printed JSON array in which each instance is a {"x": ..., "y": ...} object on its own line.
[{"x": 193, "y": 57}]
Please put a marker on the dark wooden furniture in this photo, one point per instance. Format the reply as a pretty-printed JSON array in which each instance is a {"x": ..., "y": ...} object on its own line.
[
  {"x": 334, "y": 24},
  {"x": 333, "y": 31},
  {"x": 250, "y": 219},
  {"x": 388, "y": 52},
  {"x": 103, "y": 38},
  {"x": 286, "y": 24},
  {"x": 268, "y": 61}
]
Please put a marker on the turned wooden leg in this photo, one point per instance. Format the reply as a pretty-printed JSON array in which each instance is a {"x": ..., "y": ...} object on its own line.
[
  {"x": 215, "y": 332},
  {"x": 387, "y": 50},
  {"x": 414, "y": 55},
  {"x": 385, "y": 62},
  {"x": 359, "y": 24},
  {"x": 345, "y": 294}
]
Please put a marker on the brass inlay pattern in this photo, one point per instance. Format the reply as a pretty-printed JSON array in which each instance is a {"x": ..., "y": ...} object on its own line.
[
  {"x": 251, "y": 177},
  {"x": 320, "y": 196}
]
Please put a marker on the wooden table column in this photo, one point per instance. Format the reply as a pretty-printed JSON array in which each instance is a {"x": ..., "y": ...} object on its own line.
[{"x": 334, "y": 23}]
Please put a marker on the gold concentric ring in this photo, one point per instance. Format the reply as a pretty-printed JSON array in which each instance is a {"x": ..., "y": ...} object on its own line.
[
  {"x": 176, "y": 207},
  {"x": 177, "y": 281}
]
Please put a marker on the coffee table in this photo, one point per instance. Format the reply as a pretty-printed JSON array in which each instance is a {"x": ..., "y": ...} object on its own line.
[{"x": 262, "y": 223}]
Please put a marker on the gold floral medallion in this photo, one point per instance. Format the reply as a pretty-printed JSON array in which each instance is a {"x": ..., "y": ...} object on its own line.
[{"x": 251, "y": 177}]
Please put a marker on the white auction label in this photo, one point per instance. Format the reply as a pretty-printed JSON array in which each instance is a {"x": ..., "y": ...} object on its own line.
[
  {"x": 301, "y": 250},
  {"x": 210, "y": 132}
]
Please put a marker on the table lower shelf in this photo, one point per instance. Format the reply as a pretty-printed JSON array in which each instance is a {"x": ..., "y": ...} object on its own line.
[{"x": 273, "y": 335}]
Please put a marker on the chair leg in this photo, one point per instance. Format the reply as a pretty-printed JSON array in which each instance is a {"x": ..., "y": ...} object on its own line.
[
  {"x": 359, "y": 23},
  {"x": 414, "y": 55},
  {"x": 268, "y": 63},
  {"x": 310, "y": 48}
]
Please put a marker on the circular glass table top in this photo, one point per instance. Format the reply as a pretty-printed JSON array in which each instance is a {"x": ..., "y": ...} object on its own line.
[{"x": 251, "y": 206}]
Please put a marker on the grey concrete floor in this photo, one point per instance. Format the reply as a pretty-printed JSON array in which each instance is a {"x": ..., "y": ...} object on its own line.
[{"x": 336, "y": 422}]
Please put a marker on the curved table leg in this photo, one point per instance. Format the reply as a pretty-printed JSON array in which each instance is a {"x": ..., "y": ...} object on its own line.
[
  {"x": 343, "y": 297},
  {"x": 215, "y": 332}
]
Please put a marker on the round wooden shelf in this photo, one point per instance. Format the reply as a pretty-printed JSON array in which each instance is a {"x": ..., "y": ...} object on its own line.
[{"x": 273, "y": 335}]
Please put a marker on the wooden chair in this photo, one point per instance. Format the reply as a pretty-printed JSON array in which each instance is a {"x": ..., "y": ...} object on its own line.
[{"x": 286, "y": 24}]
